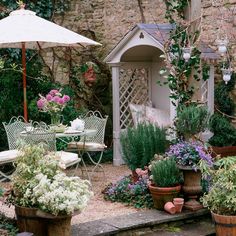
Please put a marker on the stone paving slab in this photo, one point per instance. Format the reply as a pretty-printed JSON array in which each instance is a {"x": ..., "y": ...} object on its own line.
[{"x": 111, "y": 226}]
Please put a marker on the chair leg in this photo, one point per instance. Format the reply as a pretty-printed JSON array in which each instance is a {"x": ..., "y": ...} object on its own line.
[
  {"x": 84, "y": 165},
  {"x": 97, "y": 164},
  {"x": 4, "y": 177}
]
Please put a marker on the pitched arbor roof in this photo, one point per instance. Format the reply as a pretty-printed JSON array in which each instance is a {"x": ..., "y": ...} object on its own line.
[{"x": 157, "y": 34}]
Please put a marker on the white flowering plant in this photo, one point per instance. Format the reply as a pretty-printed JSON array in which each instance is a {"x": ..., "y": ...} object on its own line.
[{"x": 39, "y": 183}]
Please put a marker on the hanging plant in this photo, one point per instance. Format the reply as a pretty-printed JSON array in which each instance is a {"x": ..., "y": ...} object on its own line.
[{"x": 89, "y": 70}]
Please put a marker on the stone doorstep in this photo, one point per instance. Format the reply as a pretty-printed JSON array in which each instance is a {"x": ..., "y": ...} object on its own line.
[{"x": 118, "y": 224}]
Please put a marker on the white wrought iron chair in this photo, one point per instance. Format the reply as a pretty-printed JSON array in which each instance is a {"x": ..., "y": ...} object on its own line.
[
  {"x": 13, "y": 129},
  {"x": 41, "y": 133},
  {"x": 89, "y": 144}
]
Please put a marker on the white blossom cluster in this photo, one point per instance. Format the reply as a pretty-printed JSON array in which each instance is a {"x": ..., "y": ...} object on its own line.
[{"x": 39, "y": 183}]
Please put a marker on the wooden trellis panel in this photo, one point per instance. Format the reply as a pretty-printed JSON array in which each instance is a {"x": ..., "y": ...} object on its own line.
[{"x": 134, "y": 88}]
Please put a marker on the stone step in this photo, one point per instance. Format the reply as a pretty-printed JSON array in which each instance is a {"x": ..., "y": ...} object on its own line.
[{"x": 147, "y": 222}]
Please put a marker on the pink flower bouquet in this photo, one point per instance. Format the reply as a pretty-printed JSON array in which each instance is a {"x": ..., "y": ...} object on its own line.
[{"x": 53, "y": 102}]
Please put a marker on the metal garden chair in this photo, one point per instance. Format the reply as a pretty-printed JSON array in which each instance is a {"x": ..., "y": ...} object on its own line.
[
  {"x": 89, "y": 144},
  {"x": 13, "y": 129},
  {"x": 41, "y": 133}
]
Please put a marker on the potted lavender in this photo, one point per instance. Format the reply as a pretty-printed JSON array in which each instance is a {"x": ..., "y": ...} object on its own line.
[{"x": 187, "y": 155}]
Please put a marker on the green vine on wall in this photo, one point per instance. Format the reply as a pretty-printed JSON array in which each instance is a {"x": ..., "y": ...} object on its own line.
[{"x": 181, "y": 72}]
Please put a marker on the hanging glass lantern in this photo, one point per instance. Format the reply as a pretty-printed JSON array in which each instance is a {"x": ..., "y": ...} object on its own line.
[
  {"x": 226, "y": 72},
  {"x": 222, "y": 45},
  {"x": 186, "y": 53}
]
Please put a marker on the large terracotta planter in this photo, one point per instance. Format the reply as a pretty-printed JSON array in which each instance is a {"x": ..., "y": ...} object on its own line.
[
  {"x": 225, "y": 225},
  {"x": 192, "y": 187},
  {"x": 224, "y": 151},
  {"x": 42, "y": 224},
  {"x": 162, "y": 195}
]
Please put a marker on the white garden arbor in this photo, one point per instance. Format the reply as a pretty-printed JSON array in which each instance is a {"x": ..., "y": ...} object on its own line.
[{"x": 135, "y": 62}]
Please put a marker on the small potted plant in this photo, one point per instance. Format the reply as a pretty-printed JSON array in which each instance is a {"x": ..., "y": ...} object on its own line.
[
  {"x": 221, "y": 196},
  {"x": 187, "y": 155},
  {"x": 191, "y": 120},
  {"x": 166, "y": 178},
  {"x": 43, "y": 196}
]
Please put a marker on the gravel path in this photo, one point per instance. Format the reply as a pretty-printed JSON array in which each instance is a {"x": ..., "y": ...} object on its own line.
[{"x": 98, "y": 208}]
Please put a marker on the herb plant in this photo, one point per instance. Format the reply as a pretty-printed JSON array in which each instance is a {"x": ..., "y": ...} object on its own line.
[
  {"x": 165, "y": 172},
  {"x": 191, "y": 120},
  {"x": 139, "y": 144}
]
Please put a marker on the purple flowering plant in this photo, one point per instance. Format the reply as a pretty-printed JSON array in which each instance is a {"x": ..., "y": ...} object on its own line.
[
  {"x": 189, "y": 153},
  {"x": 128, "y": 192},
  {"x": 53, "y": 102}
]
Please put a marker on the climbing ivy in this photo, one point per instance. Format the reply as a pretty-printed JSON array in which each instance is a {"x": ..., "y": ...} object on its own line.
[{"x": 180, "y": 70}]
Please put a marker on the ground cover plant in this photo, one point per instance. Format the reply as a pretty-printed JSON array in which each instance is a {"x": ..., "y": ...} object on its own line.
[{"x": 126, "y": 191}]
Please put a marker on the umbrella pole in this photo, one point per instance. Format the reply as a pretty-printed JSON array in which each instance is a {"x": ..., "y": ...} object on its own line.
[{"x": 24, "y": 81}]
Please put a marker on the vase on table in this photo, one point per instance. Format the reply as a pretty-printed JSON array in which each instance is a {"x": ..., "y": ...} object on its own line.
[{"x": 55, "y": 119}]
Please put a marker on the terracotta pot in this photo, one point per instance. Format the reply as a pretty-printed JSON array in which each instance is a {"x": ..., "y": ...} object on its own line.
[
  {"x": 162, "y": 195},
  {"x": 42, "y": 224},
  {"x": 178, "y": 202},
  {"x": 224, "y": 151},
  {"x": 225, "y": 225},
  {"x": 134, "y": 176},
  {"x": 192, "y": 187},
  {"x": 170, "y": 208}
]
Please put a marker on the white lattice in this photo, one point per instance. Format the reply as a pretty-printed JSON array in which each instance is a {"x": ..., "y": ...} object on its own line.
[
  {"x": 134, "y": 84},
  {"x": 204, "y": 92}
]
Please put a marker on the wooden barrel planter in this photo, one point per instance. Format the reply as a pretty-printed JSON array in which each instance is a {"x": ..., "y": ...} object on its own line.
[
  {"x": 224, "y": 151},
  {"x": 28, "y": 221},
  {"x": 225, "y": 225},
  {"x": 42, "y": 224}
]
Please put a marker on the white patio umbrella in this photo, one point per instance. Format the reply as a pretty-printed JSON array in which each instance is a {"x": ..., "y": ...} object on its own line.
[{"x": 23, "y": 29}]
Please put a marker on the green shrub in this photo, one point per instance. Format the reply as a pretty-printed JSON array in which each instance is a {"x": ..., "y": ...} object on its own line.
[
  {"x": 165, "y": 172},
  {"x": 191, "y": 120},
  {"x": 221, "y": 197},
  {"x": 141, "y": 143},
  {"x": 224, "y": 131}
]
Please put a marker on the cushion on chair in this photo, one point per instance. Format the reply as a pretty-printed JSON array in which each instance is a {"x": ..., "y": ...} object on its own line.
[
  {"x": 90, "y": 146},
  {"x": 67, "y": 159},
  {"x": 8, "y": 156},
  {"x": 158, "y": 116},
  {"x": 138, "y": 113},
  {"x": 142, "y": 114}
]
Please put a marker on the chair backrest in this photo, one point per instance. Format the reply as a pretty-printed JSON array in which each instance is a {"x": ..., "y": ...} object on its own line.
[
  {"x": 94, "y": 120},
  {"x": 41, "y": 133},
  {"x": 13, "y": 129}
]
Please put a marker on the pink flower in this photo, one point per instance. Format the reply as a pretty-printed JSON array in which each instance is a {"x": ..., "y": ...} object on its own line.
[
  {"x": 56, "y": 99},
  {"x": 61, "y": 101},
  {"x": 49, "y": 97},
  {"x": 66, "y": 98},
  {"x": 40, "y": 103},
  {"x": 53, "y": 92}
]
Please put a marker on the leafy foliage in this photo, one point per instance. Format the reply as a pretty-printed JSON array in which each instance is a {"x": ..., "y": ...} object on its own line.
[
  {"x": 224, "y": 131},
  {"x": 165, "y": 172},
  {"x": 220, "y": 125},
  {"x": 141, "y": 143},
  {"x": 7, "y": 226},
  {"x": 221, "y": 197},
  {"x": 223, "y": 100},
  {"x": 191, "y": 120},
  {"x": 136, "y": 194},
  {"x": 181, "y": 71}
]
